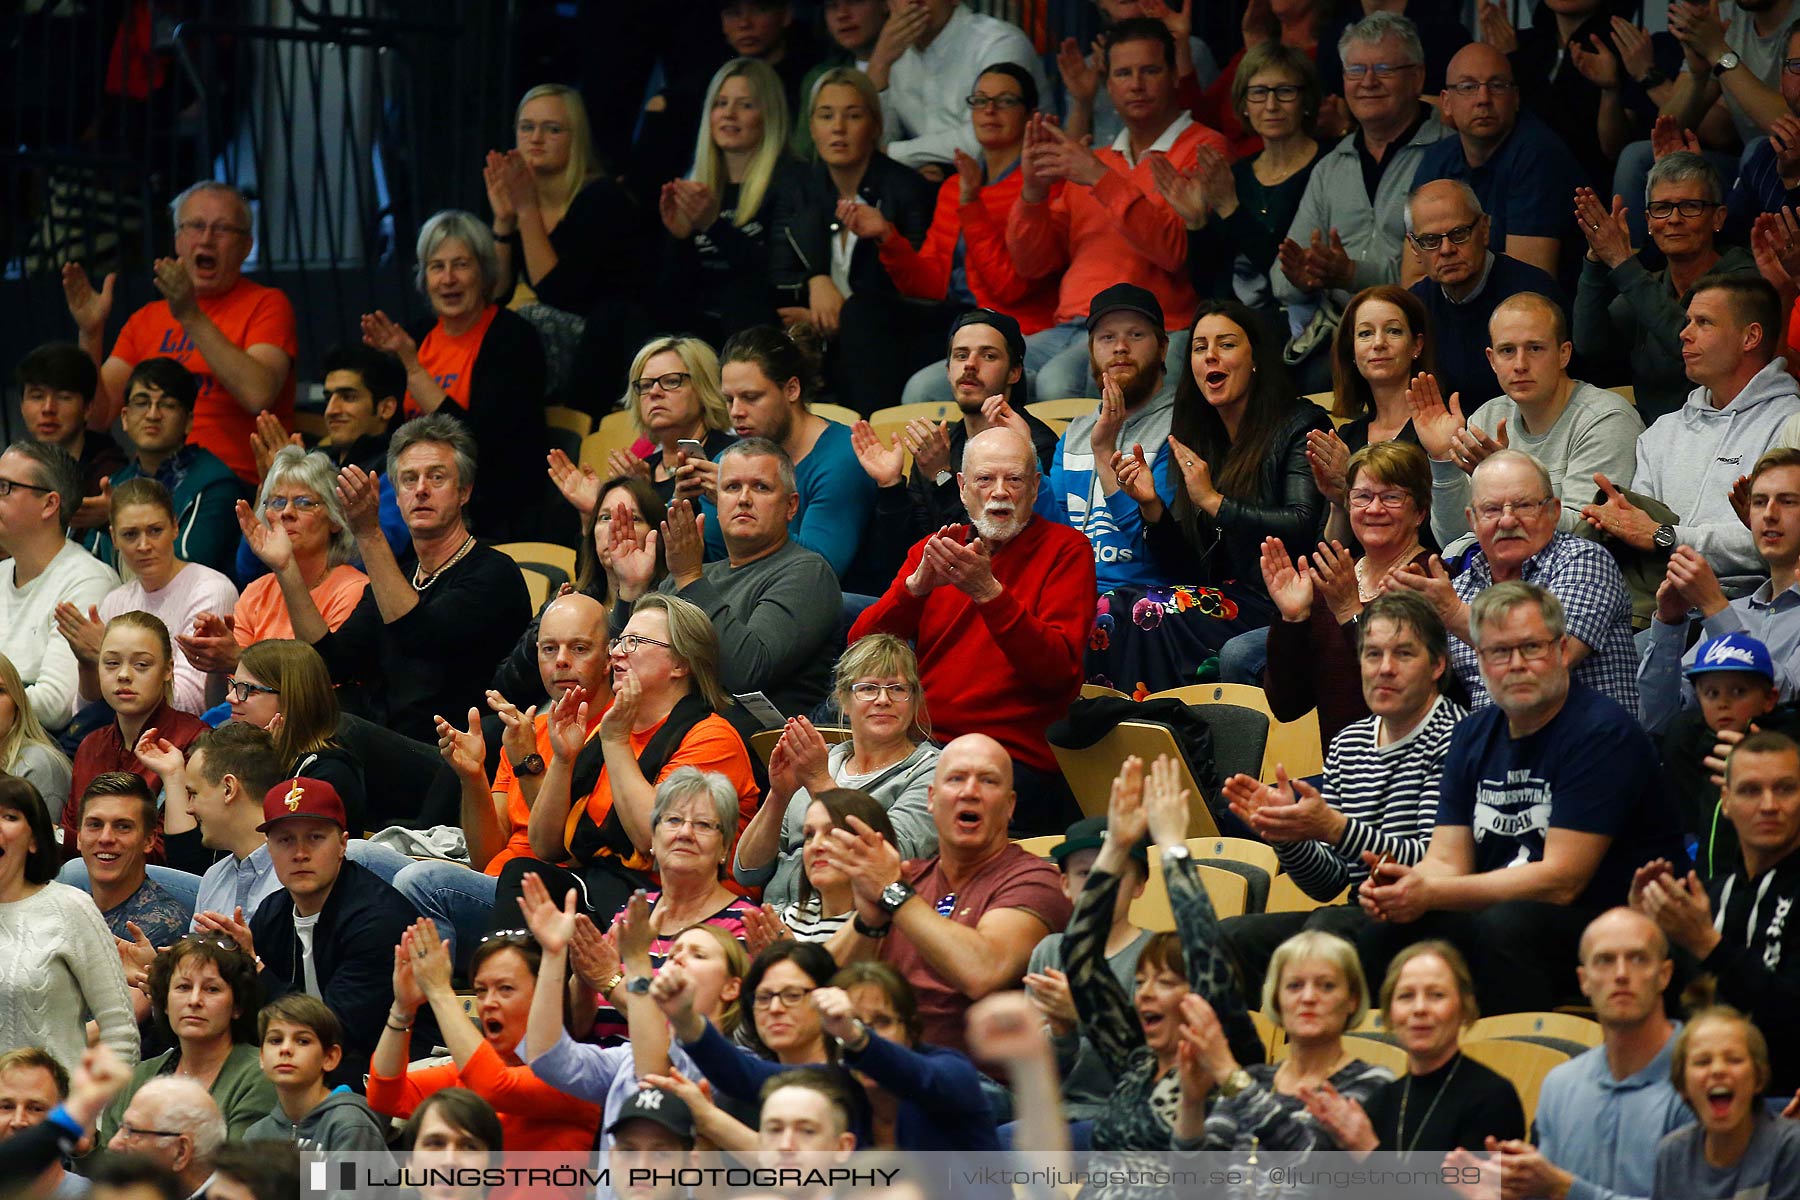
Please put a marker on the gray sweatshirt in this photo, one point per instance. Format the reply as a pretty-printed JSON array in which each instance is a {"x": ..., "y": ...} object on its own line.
[
  {"x": 1597, "y": 431},
  {"x": 1769, "y": 1169},
  {"x": 1690, "y": 458},
  {"x": 343, "y": 1121}
]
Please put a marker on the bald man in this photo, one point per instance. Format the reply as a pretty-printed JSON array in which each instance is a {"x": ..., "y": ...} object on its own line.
[
  {"x": 1572, "y": 428},
  {"x": 962, "y": 924},
  {"x": 571, "y": 653},
  {"x": 1000, "y": 611},
  {"x": 1601, "y": 1114},
  {"x": 1522, "y": 171}
]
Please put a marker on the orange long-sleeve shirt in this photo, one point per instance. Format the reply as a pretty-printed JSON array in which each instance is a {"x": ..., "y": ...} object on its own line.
[{"x": 534, "y": 1115}]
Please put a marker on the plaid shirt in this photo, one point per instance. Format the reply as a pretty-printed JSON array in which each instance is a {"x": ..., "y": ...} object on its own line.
[{"x": 1595, "y": 602}]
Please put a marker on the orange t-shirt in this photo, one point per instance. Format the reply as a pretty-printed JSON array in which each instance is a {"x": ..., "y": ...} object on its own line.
[
  {"x": 518, "y": 813},
  {"x": 712, "y": 745},
  {"x": 451, "y": 360},
  {"x": 249, "y": 315},
  {"x": 262, "y": 614}
]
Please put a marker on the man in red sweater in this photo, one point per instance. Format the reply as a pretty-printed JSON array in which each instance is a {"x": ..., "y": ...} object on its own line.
[{"x": 1000, "y": 611}]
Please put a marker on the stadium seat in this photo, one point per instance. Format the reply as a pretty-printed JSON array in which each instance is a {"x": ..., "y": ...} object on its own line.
[
  {"x": 1090, "y": 690},
  {"x": 1090, "y": 771},
  {"x": 537, "y": 586},
  {"x": 835, "y": 412},
  {"x": 1226, "y": 889},
  {"x": 561, "y": 416},
  {"x": 1274, "y": 1037},
  {"x": 1523, "y": 1063},
  {"x": 1380, "y": 1054},
  {"x": 1537, "y": 1026},
  {"x": 1040, "y": 846},
  {"x": 1294, "y": 744},
  {"x": 1286, "y": 896},
  {"x": 1058, "y": 413},
  {"x": 762, "y": 742}
]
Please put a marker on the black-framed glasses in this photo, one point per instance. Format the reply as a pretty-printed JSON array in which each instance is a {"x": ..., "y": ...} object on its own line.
[
  {"x": 1258, "y": 93},
  {"x": 1662, "y": 210},
  {"x": 1500, "y": 656},
  {"x": 630, "y": 642},
  {"x": 144, "y": 404},
  {"x": 789, "y": 997},
  {"x": 303, "y": 504},
  {"x": 1381, "y": 70},
  {"x": 7, "y": 486},
  {"x": 1496, "y": 87},
  {"x": 667, "y": 383},
  {"x": 241, "y": 690},
  {"x": 1456, "y": 237},
  {"x": 982, "y": 100},
  {"x": 1791, "y": 65}
]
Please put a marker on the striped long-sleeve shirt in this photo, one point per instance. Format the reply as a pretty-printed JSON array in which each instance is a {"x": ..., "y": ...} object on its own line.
[{"x": 1388, "y": 795}]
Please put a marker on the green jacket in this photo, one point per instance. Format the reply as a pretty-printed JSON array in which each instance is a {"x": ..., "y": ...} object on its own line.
[{"x": 243, "y": 1094}]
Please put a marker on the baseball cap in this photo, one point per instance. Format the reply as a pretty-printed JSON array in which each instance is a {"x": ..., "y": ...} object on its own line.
[
  {"x": 1003, "y": 324},
  {"x": 654, "y": 1104},
  {"x": 303, "y": 798},
  {"x": 1736, "y": 651},
  {"x": 1089, "y": 833},
  {"x": 1125, "y": 297}
]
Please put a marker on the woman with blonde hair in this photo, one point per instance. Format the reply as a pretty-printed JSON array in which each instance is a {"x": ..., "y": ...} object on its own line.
[
  {"x": 560, "y": 225},
  {"x": 888, "y": 755},
  {"x": 716, "y": 262},
  {"x": 673, "y": 395},
  {"x": 26, "y": 751}
]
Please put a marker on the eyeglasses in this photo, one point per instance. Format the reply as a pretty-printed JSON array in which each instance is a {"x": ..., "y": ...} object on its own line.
[
  {"x": 1469, "y": 87},
  {"x": 789, "y": 997},
  {"x": 981, "y": 100},
  {"x": 1523, "y": 510},
  {"x": 7, "y": 486},
  {"x": 132, "y": 1131},
  {"x": 1791, "y": 65},
  {"x": 512, "y": 937},
  {"x": 1258, "y": 93},
  {"x": 1500, "y": 656},
  {"x": 867, "y": 692},
  {"x": 145, "y": 404},
  {"x": 1458, "y": 236},
  {"x": 630, "y": 642},
  {"x": 242, "y": 689},
  {"x": 217, "y": 941},
  {"x": 216, "y": 228},
  {"x": 667, "y": 383},
  {"x": 675, "y": 824},
  {"x": 1362, "y": 498},
  {"x": 1662, "y": 210},
  {"x": 303, "y": 504},
  {"x": 1382, "y": 70}
]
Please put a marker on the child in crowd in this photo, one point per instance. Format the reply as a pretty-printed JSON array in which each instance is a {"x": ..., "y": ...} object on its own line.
[{"x": 301, "y": 1041}]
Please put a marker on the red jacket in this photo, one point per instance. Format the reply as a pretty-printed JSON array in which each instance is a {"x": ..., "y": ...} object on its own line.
[
  {"x": 981, "y": 227},
  {"x": 1010, "y": 667}
]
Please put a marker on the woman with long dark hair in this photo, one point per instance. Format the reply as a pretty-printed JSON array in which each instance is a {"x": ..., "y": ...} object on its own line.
[{"x": 1238, "y": 440}]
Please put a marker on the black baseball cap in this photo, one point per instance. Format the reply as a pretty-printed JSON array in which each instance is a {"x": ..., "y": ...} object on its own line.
[
  {"x": 1125, "y": 297},
  {"x": 1008, "y": 328},
  {"x": 1089, "y": 833},
  {"x": 654, "y": 1104}
]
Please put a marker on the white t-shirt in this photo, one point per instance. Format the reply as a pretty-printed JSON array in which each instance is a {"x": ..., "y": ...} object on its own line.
[{"x": 304, "y": 926}]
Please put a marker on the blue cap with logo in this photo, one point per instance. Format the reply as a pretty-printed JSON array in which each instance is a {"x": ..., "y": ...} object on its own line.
[{"x": 1734, "y": 651}]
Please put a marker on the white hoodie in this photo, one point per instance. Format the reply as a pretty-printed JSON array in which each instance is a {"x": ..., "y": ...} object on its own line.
[{"x": 1691, "y": 457}]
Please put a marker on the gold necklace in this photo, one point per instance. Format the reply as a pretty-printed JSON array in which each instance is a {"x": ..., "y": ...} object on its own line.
[{"x": 421, "y": 581}]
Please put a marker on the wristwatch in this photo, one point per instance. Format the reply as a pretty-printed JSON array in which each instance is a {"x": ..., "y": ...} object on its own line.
[
  {"x": 894, "y": 895},
  {"x": 638, "y": 985},
  {"x": 875, "y": 932},
  {"x": 1664, "y": 537},
  {"x": 1726, "y": 62},
  {"x": 1176, "y": 853},
  {"x": 1235, "y": 1082},
  {"x": 860, "y": 1042},
  {"x": 1654, "y": 77},
  {"x": 943, "y": 477},
  {"x": 532, "y": 765}
]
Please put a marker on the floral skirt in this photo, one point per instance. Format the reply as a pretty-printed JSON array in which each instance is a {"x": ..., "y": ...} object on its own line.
[{"x": 1148, "y": 640}]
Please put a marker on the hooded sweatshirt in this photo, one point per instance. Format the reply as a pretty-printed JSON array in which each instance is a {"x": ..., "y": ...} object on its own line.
[
  {"x": 343, "y": 1121},
  {"x": 1757, "y": 964},
  {"x": 1114, "y": 524},
  {"x": 1690, "y": 458}
]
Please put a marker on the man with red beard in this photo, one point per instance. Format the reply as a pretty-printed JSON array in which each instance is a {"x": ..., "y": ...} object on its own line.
[
  {"x": 237, "y": 337},
  {"x": 1126, "y": 345},
  {"x": 1000, "y": 611}
]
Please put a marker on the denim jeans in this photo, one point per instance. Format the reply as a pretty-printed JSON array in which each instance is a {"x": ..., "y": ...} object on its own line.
[
  {"x": 1243, "y": 658},
  {"x": 458, "y": 899}
]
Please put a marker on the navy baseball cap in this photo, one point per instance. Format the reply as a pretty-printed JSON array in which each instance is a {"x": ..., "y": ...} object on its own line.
[
  {"x": 654, "y": 1104},
  {"x": 1089, "y": 833},
  {"x": 1736, "y": 651}
]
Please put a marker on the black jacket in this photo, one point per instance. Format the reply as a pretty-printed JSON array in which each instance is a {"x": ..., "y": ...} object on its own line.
[
  {"x": 1757, "y": 968},
  {"x": 805, "y": 217},
  {"x": 1287, "y": 505},
  {"x": 353, "y": 957}
]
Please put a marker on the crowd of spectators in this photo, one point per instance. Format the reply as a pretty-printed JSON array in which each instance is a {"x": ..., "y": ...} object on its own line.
[{"x": 1438, "y": 382}]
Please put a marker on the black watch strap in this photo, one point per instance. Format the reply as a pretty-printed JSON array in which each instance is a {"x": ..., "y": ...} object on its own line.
[{"x": 870, "y": 931}]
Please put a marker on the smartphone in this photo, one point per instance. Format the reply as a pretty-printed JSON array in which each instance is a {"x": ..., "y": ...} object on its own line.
[{"x": 691, "y": 448}]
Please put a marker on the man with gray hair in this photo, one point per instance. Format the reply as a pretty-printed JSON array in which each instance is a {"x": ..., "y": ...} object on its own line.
[
  {"x": 426, "y": 635},
  {"x": 1629, "y": 318},
  {"x": 237, "y": 337},
  {"x": 174, "y": 1121},
  {"x": 1513, "y": 510},
  {"x": 775, "y": 604},
  {"x": 1465, "y": 280},
  {"x": 1351, "y": 225},
  {"x": 1548, "y": 804},
  {"x": 40, "y": 486}
]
